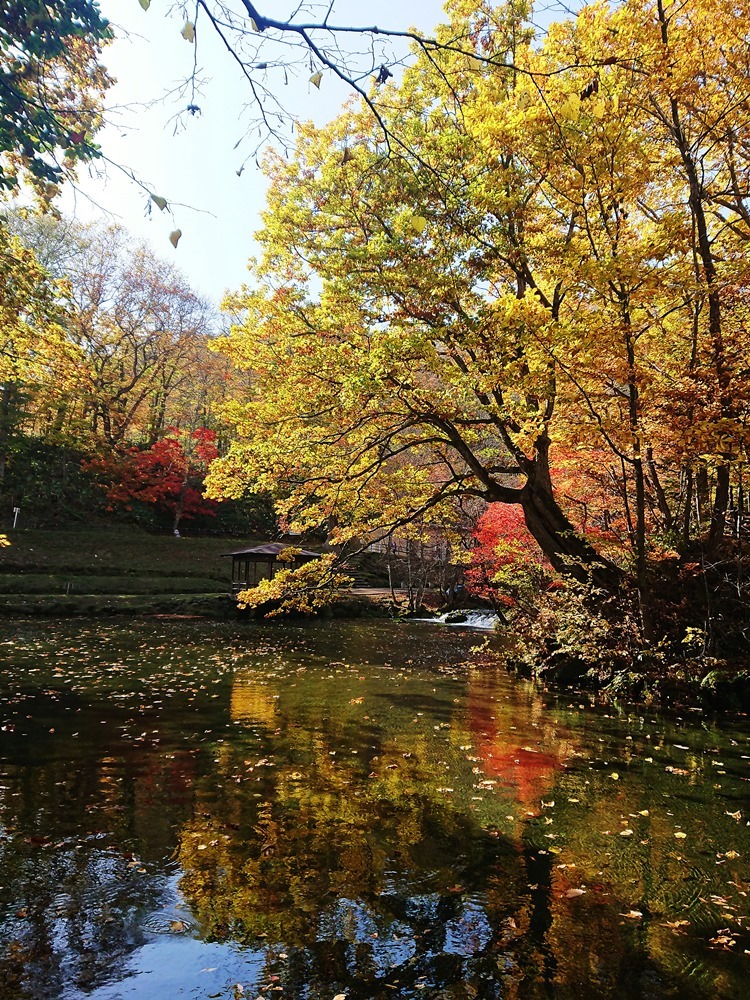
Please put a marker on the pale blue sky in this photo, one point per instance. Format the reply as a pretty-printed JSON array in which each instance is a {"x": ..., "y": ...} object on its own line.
[{"x": 197, "y": 165}]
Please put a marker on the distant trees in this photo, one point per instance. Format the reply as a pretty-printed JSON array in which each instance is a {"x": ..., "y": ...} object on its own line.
[
  {"x": 105, "y": 357},
  {"x": 137, "y": 330},
  {"x": 144, "y": 334}
]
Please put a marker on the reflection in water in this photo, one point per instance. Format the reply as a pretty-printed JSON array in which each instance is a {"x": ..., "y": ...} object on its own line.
[
  {"x": 527, "y": 771},
  {"x": 301, "y": 812},
  {"x": 252, "y": 701}
]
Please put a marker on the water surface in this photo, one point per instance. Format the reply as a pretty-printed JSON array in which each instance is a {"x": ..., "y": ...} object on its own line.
[{"x": 192, "y": 809}]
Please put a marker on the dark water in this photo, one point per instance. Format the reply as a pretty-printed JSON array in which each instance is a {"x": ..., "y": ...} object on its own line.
[{"x": 195, "y": 810}]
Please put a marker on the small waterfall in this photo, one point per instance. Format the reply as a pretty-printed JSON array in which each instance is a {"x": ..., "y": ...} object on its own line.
[{"x": 476, "y": 618}]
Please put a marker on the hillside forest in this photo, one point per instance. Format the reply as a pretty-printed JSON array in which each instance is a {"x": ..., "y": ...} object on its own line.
[{"x": 502, "y": 302}]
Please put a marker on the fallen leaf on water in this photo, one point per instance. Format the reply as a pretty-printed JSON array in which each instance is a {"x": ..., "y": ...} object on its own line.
[
  {"x": 723, "y": 939},
  {"x": 571, "y": 893}
]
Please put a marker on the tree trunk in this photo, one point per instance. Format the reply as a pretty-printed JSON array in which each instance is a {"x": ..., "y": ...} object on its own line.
[
  {"x": 687, "y": 512},
  {"x": 567, "y": 551},
  {"x": 719, "y": 511},
  {"x": 661, "y": 499}
]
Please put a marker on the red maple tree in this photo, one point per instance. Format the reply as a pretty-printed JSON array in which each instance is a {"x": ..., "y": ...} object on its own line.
[
  {"x": 168, "y": 476},
  {"x": 504, "y": 557}
]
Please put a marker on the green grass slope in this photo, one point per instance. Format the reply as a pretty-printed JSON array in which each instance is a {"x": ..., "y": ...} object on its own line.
[{"x": 73, "y": 566}]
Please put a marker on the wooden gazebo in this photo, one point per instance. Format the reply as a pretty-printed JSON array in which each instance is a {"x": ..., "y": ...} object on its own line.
[{"x": 250, "y": 566}]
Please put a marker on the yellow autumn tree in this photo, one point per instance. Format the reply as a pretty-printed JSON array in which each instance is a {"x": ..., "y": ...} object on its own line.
[
  {"x": 543, "y": 275},
  {"x": 36, "y": 357}
]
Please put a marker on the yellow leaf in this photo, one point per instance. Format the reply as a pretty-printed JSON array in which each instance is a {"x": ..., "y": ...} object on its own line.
[
  {"x": 145, "y": 4},
  {"x": 571, "y": 107},
  {"x": 188, "y": 32},
  {"x": 253, "y": 25},
  {"x": 523, "y": 99},
  {"x": 418, "y": 223},
  {"x": 615, "y": 776},
  {"x": 160, "y": 202},
  {"x": 680, "y": 835},
  {"x": 174, "y": 237},
  {"x": 316, "y": 78}
]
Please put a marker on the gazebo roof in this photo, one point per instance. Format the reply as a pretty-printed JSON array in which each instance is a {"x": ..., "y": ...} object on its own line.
[{"x": 271, "y": 549}]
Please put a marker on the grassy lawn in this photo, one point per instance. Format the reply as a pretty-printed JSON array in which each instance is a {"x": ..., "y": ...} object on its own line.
[
  {"x": 115, "y": 561},
  {"x": 125, "y": 583}
]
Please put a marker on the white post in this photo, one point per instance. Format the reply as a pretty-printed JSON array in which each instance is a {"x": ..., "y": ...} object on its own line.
[{"x": 16, "y": 512}]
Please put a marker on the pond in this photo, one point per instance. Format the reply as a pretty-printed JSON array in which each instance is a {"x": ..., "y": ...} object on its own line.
[{"x": 195, "y": 809}]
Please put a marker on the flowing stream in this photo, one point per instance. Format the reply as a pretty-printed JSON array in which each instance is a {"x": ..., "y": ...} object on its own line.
[{"x": 366, "y": 810}]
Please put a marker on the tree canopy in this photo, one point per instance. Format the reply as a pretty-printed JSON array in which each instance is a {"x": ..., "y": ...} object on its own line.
[{"x": 547, "y": 276}]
